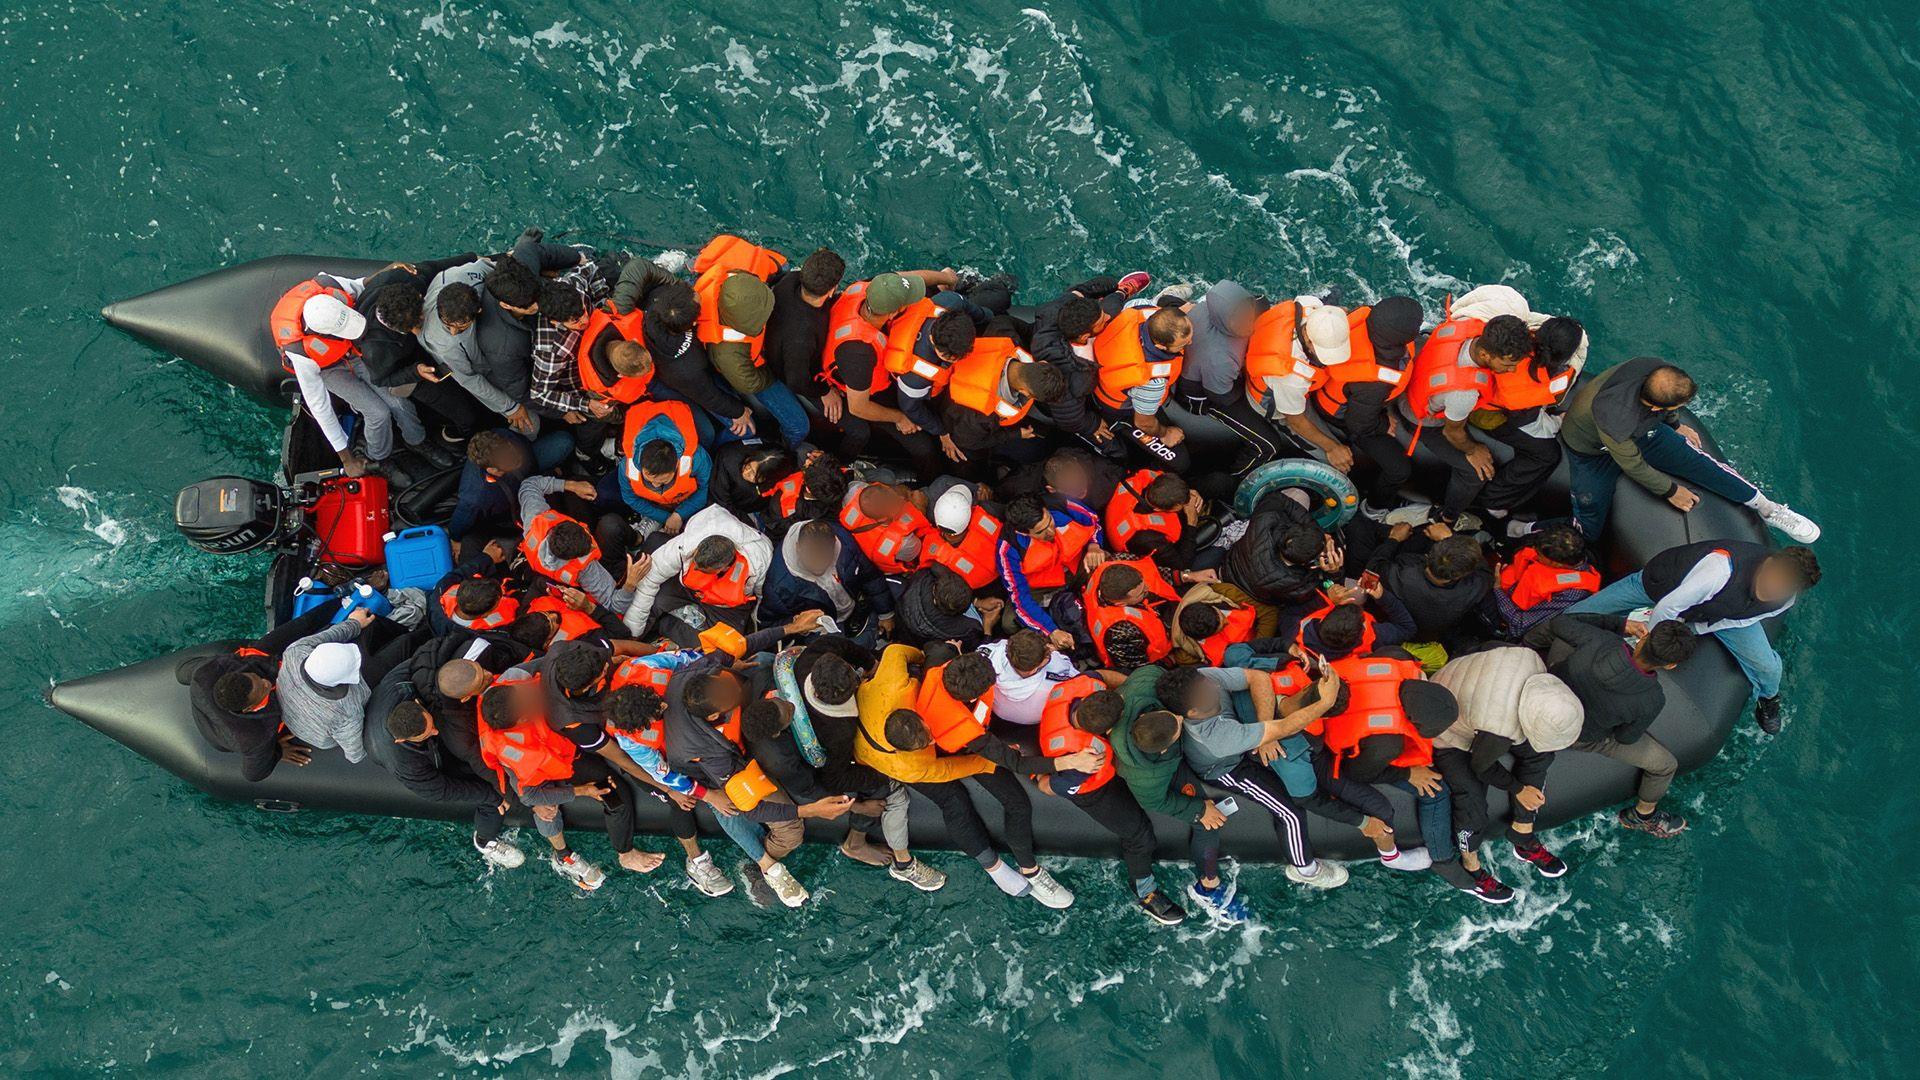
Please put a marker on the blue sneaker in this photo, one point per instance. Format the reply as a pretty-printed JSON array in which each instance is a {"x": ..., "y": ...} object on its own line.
[{"x": 1220, "y": 902}]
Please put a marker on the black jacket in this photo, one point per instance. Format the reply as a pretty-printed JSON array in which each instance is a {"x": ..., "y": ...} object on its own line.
[
  {"x": 1621, "y": 700},
  {"x": 388, "y": 353},
  {"x": 796, "y": 335},
  {"x": 921, "y": 623},
  {"x": 255, "y": 736},
  {"x": 1071, "y": 413},
  {"x": 1442, "y": 613},
  {"x": 1254, "y": 563}
]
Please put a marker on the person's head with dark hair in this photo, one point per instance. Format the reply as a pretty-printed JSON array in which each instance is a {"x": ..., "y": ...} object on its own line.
[
  {"x": 967, "y": 677},
  {"x": 833, "y": 680},
  {"x": 569, "y": 540},
  {"x": 1392, "y": 326},
  {"x": 515, "y": 287},
  {"x": 1667, "y": 645},
  {"x": 1077, "y": 318},
  {"x": 1155, "y": 732},
  {"x": 458, "y": 306},
  {"x": 1786, "y": 574},
  {"x": 1166, "y": 492},
  {"x": 1667, "y": 388},
  {"x": 461, "y": 679},
  {"x": 767, "y": 465},
  {"x": 475, "y": 597},
  {"x": 1027, "y": 514},
  {"x": 816, "y": 547},
  {"x": 820, "y": 274},
  {"x": 1503, "y": 343},
  {"x": 1069, "y": 472},
  {"x": 764, "y": 719},
  {"x": 1027, "y": 650},
  {"x": 906, "y": 731},
  {"x": 1121, "y": 584},
  {"x": 1561, "y": 545},
  {"x": 673, "y": 307},
  {"x": 533, "y": 630},
  {"x": 578, "y": 670},
  {"x": 950, "y": 593},
  {"x": 1554, "y": 345},
  {"x": 1040, "y": 381},
  {"x": 711, "y": 695},
  {"x": 1170, "y": 329},
  {"x": 409, "y": 723},
  {"x": 1453, "y": 559},
  {"x": 1187, "y": 692},
  {"x": 401, "y": 307},
  {"x": 714, "y": 554},
  {"x": 823, "y": 481},
  {"x": 1303, "y": 543},
  {"x": 952, "y": 336},
  {"x": 1201, "y": 621},
  {"x": 241, "y": 692},
  {"x": 1430, "y": 707},
  {"x": 659, "y": 463},
  {"x": 635, "y": 708},
  {"x": 562, "y": 304},
  {"x": 498, "y": 452},
  {"x": 629, "y": 358},
  {"x": 1342, "y": 629},
  {"x": 1098, "y": 712},
  {"x": 881, "y": 502}
]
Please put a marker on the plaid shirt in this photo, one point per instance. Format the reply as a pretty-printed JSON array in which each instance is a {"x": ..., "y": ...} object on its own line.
[{"x": 556, "y": 372}]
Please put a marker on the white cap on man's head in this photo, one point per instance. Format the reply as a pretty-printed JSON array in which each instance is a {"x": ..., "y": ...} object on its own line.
[
  {"x": 327, "y": 316},
  {"x": 954, "y": 509},
  {"x": 1326, "y": 329},
  {"x": 333, "y": 667}
]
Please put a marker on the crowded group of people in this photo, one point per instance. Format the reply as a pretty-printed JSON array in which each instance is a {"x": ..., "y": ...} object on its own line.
[{"x": 800, "y": 544}]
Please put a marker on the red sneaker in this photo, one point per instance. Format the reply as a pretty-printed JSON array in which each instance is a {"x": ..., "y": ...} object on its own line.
[
  {"x": 1135, "y": 281},
  {"x": 1546, "y": 862}
]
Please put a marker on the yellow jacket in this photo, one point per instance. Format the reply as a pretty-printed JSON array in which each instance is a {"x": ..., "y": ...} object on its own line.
[{"x": 893, "y": 688}]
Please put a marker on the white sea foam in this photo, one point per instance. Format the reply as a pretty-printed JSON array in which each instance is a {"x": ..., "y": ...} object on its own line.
[{"x": 87, "y": 504}]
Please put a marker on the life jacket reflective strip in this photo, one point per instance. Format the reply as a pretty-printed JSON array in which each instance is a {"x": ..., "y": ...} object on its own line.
[
  {"x": 884, "y": 542},
  {"x": 1530, "y": 582},
  {"x": 1120, "y": 360},
  {"x": 626, "y": 389},
  {"x": 288, "y": 324},
  {"x": 1290, "y": 680},
  {"x": 903, "y": 333},
  {"x": 1145, "y": 615},
  {"x": 723, "y": 257},
  {"x": 786, "y": 495},
  {"x": 567, "y": 573},
  {"x": 1236, "y": 626},
  {"x": 1048, "y": 563},
  {"x": 1520, "y": 389},
  {"x": 1058, "y": 736},
  {"x": 973, "y": 557},
  {"x": 504, "y": 611},
  {"x": 1373, "y": 708},
  {"x": 1363, "y": 366},
  {"x": 952, "y": 724},
  {"x": 977, "y": 377},
  {"x": 1366, "y": 629},
  {"x": 1270, "y": 350},
  {"x": 1438, "y": 369},
  {"x": 844, "y": 324},
  {"x": 1125, "y": 518},
  {"x": 727, "y": 588},
  {"x": 634, "y": 671},
  {"x": 684, "y": 482},
  {"x": 531, "y": 751},
  {"x": 574, "y": 625}
]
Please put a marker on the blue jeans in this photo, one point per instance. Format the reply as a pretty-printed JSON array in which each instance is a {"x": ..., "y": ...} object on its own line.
[
  {"x": 1757, "y": 658},
  {"x": 1591, "y": 477},
  {"x": 1435, "y": 813},
  {"x": 1295, "y": 769},
  {"x": 745, "y": 832},
  {"x": 779, "y": 400}
]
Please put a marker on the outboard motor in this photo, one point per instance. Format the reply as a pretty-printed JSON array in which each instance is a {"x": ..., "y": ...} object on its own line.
[
  {"x": 339, "y": 519},
  {"x": 227, "y": 515}
]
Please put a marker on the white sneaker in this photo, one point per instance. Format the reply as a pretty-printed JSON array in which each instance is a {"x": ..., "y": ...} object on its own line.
[
  {"x": 786, "y": 886},
  {"x": 1326, "y": 875},
  {"x": 919, "y": 875},
  {"x": 1414, "y": 514},
  {"x": 1049, "y": 892},
  {"x": 499, "y": 853},
  {"x": 1798, "y": 527},
  {"x": 708, "y": 878},
  {"x": 1409, "y": 859},
  {"x": 579, "y": 871}
]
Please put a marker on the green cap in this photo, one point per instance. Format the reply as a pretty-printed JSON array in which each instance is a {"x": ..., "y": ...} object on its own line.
[{"x": 889, "y": 293}]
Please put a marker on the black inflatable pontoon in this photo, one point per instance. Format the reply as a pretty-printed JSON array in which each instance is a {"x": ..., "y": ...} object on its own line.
[{"x": 218, "y": 322}]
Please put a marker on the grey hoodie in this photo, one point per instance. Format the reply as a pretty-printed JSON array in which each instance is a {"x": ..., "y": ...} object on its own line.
[{"x": 1216, "y": 358}]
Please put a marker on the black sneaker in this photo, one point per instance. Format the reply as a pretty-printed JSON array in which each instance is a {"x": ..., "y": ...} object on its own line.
[
  {"x": 1546, "y": 862},
  {"x": 1488, "y": 888},
  {"x": 1659, "y": 823},
  {"x": 1161, "y": 908},
  {"x": 436, "y": 453},
  {"x": 1766, "y": 712}
]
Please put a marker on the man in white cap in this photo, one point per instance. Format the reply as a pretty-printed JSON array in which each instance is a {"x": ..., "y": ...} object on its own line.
[
  {"x": 317, "y": 346},
  {"x": 1290, "y": 342},
  {"x": 323, "y": 689}
]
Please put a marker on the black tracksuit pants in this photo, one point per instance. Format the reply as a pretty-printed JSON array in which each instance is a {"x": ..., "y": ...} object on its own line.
[
  {"x": 964, "y": 824},
  {"x": 1114, "y": 807}
]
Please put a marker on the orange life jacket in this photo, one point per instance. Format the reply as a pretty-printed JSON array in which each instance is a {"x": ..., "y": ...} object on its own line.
[
  {"x": 1058, "y": 736},
  {"x": 1529, "y": 582},
  {"x": 1236, "y": 626},
  {"x": 574, "y": 625},
  {"x": 1048, "y": 563},
  {"x": 288, "y": 323},
  {"x": 1125, "y": 519},
  {"x": 530, "y": 751},
  {"x": 976, "y": 378},
  {"x": 1145, "y": 615},
  {"x": 1437, "y": 368},
  {"x": 726, "y": 589},
  {"x": 786, "y": 495},
  {"x": 504, "y": 611},
  {"x": 1363, "y": 366},
  {"x": 1290, "y": 680},
  {"x": 844, "y": 324},
  {"x": 566, "y": 573},
  {"x": 635, "y": 671},
  {"x": 903, "y": 333},
  {"x": 1373, "y": 708},
  {"x": 1366, "y": 629},
  {"x": 684, "y": 482},
  {"x": 1120, "y": 360},
  {"x": 976, "y": 556},
  {"x": 723, "y": 257},
  {"x": 625, "y": 389},
  {"x": 885, "y": 542},
  {"x": 749, "y": 786},
  {"x": 1520, "y": 389},
  {"x": 952, "y": 724},
  {"x": 1270, "y": 350}
]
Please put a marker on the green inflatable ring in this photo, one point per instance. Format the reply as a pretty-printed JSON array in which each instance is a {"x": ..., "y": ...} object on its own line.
[{"x": 1336, "y": 499}]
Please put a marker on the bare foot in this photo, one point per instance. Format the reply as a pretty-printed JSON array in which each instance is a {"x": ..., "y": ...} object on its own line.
[
  {"x": 864, "y": 851},
  {"x": 644, "y": 862}
]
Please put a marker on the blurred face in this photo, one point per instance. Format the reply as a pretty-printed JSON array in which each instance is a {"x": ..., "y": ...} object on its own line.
[
  {"x": 1204, "y": 698},
  {"x": 1075, "y": 481},
  {"x": 510, "y": 458},
  {"x": 1240, "y": 319},
  {"x": 726, "y": 694},
  {"x": 884, "y": 502},
  {"x": 816, "y": 556},
  {"x": 1775, "y": 583}
]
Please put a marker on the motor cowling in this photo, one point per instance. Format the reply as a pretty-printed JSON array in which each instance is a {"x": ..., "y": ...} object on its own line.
[{"x": 228, "y": 515}]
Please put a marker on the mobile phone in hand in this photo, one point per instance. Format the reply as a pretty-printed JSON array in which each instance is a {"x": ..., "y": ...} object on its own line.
[
  {"x": 1369, "y": 581},
  {"x": 1227, "y": 806}
]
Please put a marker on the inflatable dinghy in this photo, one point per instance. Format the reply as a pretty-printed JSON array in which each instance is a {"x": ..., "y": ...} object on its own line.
[{"x": 218, "y": 322}]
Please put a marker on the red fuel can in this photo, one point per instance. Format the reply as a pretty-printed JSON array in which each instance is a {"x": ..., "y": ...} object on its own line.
[{"x": 352, "y": 518}]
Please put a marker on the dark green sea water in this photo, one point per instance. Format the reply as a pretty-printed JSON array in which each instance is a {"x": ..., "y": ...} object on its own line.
[{"x": 1730, "y": 185}]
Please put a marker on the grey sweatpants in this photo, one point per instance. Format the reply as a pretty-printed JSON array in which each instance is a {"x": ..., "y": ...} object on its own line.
[
  {"x": 379, "y": 409},
  {"x": 1655, "y": 762}
]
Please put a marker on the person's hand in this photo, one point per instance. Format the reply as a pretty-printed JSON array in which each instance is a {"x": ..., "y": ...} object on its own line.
[
  {"x": 504, "y": 808},
  {"x": 408, "y": 267},
  {"x": 1103, "y": 432},
  {"x": 427, "y": 373},
  {"x": 806, "y": 622},
  {"x": 1211, "y": 817},
  {"x": 682, "y": 800},
  {"x": 574, "y": 598},
  {"x": 1328, "y": 686},
  {"x": 1266, "y": 752},
  {"x": 360, "y": 617},
  {"x": 1026, "y": 431},
  {"x": 1378, "y": 589},
  {"x": 906, "y": 427},
  {"x": 742, "y": 425},
  {"x": 352, "y": 464},
  {"x": 1400, "y": 533},
  {"x": 990, "y": 608},
  {"x": 575, "y": 417},
  {"x": 1196, "y": 507},
  {"x": 1081, "y": 761},
  {"x": 1480, "y": 460},
  {"x": 951, "y": 449},
  {"x": 498, "y": 551},
  {"x": 1531, "y": 798},
  {"x": 833, "y": 406},
  {"x": 1203, "y": 577},
  {"x": 1424, "y": 780},
  {"x": 582, "y": 488},
  {"x": 1636, "y": 629},
  {"x": 1683, "y": 499},
  {"x": 1373, "y": 828},
  {"x": 1172, "y": 436},
  {"x": 1438, "y": 530},
  {"x": 832, "y": 806},
  {"x": 1687, "y": 433},
  {"x": 718, "y": 802},
  {"x": 593, "y": 789},
  {"x": 293, "y": 751},
  {"x": 869, "y": 807},
  {"x": 673, "y": 524},
  {"x": 1332, "y": 557},
  {"x": 1061, "y": 640},
  {"x": 1343, "y": 594},
  {"x": 637, "y": 567},
  {"x": 600, "y": 408},
  {"x": 1093, "y": 558},
  {"x": 1044, "y": 783},
  {"x": 1340, "y": 457},
  {"x": 522, "y": 421}
]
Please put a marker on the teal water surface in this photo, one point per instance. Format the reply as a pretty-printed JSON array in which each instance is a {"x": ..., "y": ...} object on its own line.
[{"x": 1727, "y": 184}]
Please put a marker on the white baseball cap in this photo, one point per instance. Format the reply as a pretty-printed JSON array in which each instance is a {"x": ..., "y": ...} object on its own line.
[
  {"x": 1326, "y": 329},
  {"x": 327, "y": 316},
  {"x": 333, "y": 668},
  {"x": 954, "y": 510}
]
